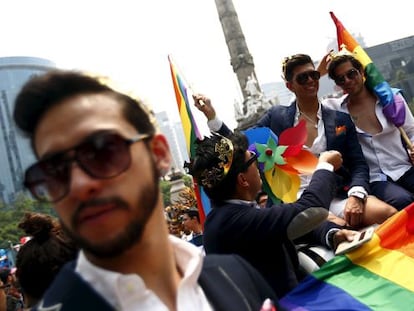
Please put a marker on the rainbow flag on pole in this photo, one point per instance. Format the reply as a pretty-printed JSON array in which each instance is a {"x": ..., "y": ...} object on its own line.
[
  {"x": 377, "y": 276},
  {"x": 393, "y": 106},
  {"x": 191, "y": 133}
]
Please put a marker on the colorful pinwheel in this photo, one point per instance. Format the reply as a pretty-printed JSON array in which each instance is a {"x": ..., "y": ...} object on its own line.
[{"x": 282, "y": 160}]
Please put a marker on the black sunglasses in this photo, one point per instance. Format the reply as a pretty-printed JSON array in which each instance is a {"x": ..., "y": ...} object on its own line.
[
  {"x": 252, "y": 159},
  {"x": 350, "y": 74},
  {"x": 303, "y": 77},
  {"x": 102, "y": 155}
]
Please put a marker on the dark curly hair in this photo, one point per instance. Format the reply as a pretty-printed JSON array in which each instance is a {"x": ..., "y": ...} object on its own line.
[{"x": 40, "y": 259}]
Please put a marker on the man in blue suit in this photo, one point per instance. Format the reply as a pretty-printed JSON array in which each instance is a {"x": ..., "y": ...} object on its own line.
[
  {"x": 99, "y": 162},
  {"x": 327, "y": 130}
]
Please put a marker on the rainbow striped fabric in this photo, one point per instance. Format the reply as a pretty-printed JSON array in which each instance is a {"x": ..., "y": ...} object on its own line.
[
  {"x": 377, "y": 276},
  {"x": 191, "y": 132},
  {"x": 393, "y": 106}
]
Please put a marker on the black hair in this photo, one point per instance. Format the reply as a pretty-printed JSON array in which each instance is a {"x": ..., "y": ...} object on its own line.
[
  {"x": 42, "y": 92},
  {"x": 339, "y": 60},
  {"x": 40, "y": 259},
  {"x": 4, "y": 274},
  {"x": 191, "y": 212},
  {"x": 291, "y": 62}
]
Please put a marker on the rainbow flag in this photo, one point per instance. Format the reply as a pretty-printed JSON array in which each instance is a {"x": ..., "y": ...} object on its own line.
[
  {"x": 191, "y": 133},
  {"x": 393, "y": 106},
  {"x": 377, "y": 276}
]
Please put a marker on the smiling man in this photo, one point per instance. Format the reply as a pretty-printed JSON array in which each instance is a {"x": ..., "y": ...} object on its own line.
[{"x": 99, "y": 161}]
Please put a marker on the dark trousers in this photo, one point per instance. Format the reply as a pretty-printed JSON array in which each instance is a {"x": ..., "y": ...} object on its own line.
[{"x": 398, "y": 194}]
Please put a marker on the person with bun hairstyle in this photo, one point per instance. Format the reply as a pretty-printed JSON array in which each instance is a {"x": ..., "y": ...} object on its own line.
[{"x": 39, "y": 260}]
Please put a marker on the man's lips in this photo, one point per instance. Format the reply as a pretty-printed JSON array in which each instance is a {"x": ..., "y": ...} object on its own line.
[{"x": 92, "y": 213}]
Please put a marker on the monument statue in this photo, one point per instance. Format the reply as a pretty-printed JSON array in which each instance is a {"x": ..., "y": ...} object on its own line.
[{"x": 252, "y": 87}]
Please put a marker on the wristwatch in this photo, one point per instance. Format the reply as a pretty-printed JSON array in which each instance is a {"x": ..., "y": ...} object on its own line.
[{"x": 359, "y": 195}]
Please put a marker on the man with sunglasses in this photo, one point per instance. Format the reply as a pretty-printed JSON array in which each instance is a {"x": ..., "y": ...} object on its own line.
[
  {"x": 229, "y": 174},
  {"x": 99, "y": 162},
  {"x": 391, "y": 168},
  {"x": 327, "y": 129}
]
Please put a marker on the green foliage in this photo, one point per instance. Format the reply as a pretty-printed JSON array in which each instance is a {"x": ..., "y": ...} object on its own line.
[
  {"x": 11, "y": 215},
  {"x": 188, "y": 180},
  {"x": 165, "y": 187}
]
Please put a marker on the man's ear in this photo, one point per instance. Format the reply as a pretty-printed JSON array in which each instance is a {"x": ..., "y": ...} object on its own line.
[
  {"x": 161, "y": 153},
  {"x": 242, "y": 181},
  {"x": 289, "y": 85}
]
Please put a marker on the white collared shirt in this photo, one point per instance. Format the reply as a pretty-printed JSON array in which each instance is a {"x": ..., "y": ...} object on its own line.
[
  {"x": 129, "y": 292},
  {"x": 318, "y": 146},
  {"x": 384, "y": 151}
]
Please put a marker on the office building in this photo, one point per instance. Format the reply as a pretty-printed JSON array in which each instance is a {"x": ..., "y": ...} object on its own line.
[{"x": 15, "y": 151}]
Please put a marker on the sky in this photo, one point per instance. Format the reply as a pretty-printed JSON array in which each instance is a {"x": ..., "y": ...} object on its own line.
[{"x": 129, "y": 40}]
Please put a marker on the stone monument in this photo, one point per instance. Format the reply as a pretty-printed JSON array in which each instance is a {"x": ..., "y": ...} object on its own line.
[{"x": 254, "y": 104}]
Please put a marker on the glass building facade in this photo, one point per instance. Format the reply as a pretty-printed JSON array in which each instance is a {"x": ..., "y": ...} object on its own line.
[{"x": 15, "y": 151}]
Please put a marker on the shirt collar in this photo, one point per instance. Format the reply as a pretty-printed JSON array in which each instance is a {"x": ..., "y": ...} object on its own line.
[
  {"x": 109, "y": 284},
  {"x": 297, "y": 114}
]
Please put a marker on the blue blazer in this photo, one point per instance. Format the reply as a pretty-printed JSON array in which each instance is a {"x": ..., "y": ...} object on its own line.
[
  {"x": 354, "y": 171},
  {"x": 228, "y": 282}
]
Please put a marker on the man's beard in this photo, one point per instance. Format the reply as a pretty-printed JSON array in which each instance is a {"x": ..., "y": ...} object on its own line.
[{"x": 132, "y": 232}]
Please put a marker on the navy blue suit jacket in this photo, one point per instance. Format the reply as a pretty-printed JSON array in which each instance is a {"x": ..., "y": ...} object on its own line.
[
  {"x": 260, "y": 235},
  {"x": 228, "y": 282}
]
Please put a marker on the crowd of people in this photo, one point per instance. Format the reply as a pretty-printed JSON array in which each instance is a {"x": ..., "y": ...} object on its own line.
[{"x": 112, "y": 248}]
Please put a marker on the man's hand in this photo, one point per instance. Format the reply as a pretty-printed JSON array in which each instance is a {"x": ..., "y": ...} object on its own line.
[
  {"x": 332, "y": 157},
  {"x": 324, "y": 63},
  {"x": 354, "y": 211},
  {"x": 203, "y": 104},
  {"x": 343, "y": 235},
  {"x": 411, "y": 154}
]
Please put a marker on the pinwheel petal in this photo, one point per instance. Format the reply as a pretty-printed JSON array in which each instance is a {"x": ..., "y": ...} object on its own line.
[
  {"x": 288, "y": 169},
  {"x": 295, "y": 135},
  {"x": 260, "y": 135},
  {"x": 292, "y": 195},
  {"x": 282, "y": 184},
  {"x": 292, "y": 151},
  {"x": 305, "y": 162}
]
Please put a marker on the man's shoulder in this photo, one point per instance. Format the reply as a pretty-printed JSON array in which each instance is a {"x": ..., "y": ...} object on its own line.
[
  {"x": 328, "y": 112},
  {"x": 231, "y": 283},
  {"x": 69, "y": 291},
  {"x": 334, "y": 103}
]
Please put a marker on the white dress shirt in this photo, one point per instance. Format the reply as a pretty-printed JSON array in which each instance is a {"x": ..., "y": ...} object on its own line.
[
  {"x": 384, "y": 151},
  {"x": 129, "y": 292}
]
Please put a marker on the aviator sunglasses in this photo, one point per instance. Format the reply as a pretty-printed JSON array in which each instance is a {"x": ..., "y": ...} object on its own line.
[
  {"x": 303, "y": 77},
  {"x": 350, "y": 75},
  {"x": 102, "y": 155}
]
